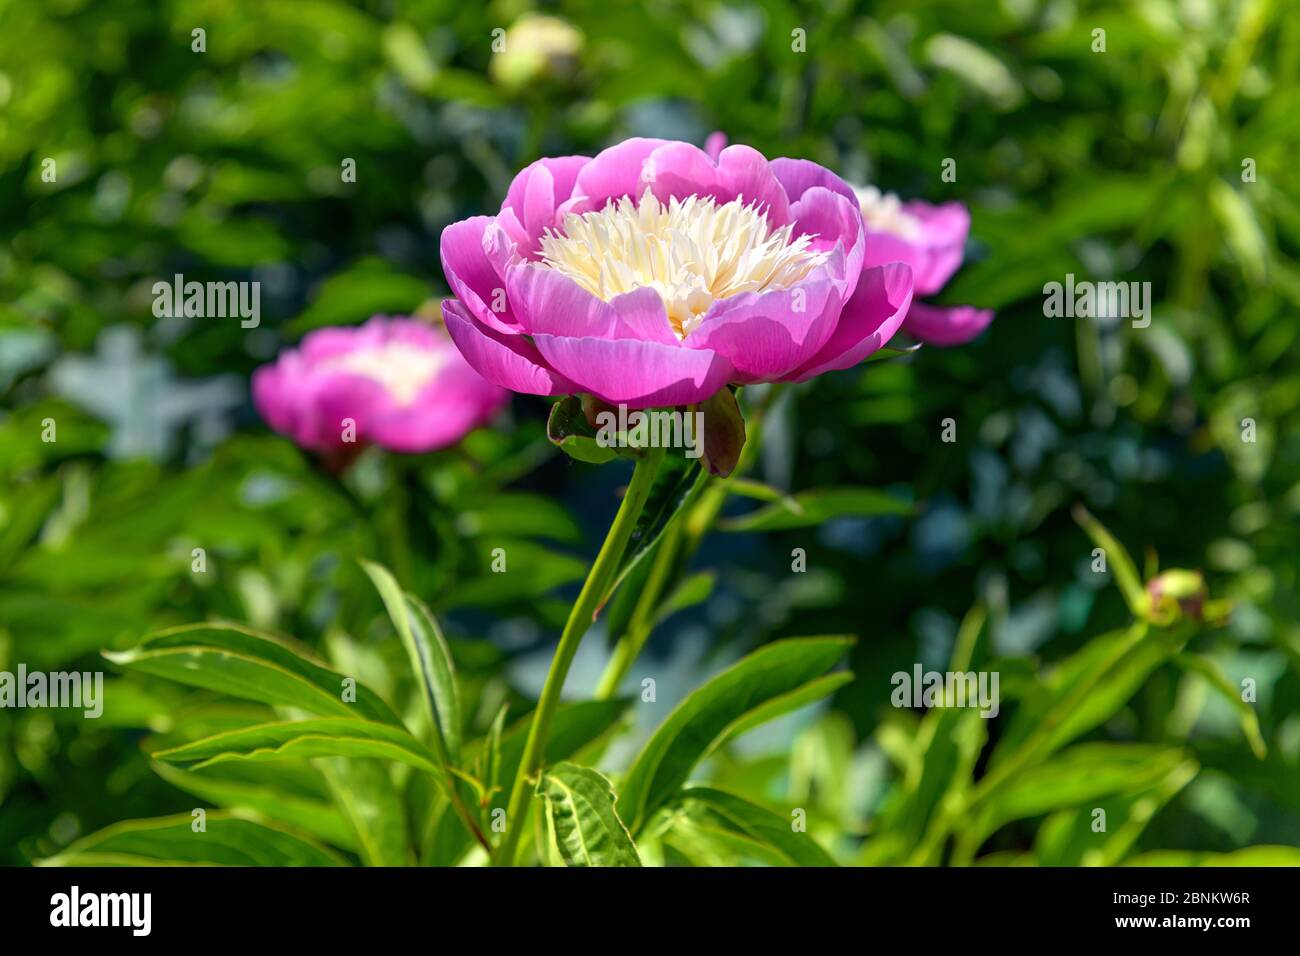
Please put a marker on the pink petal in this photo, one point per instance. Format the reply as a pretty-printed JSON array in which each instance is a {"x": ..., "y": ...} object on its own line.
[
  {"x": 833, "y": 220},
  {"x": 935, "y": 254},
  {"x": 678, "y": 170},
  {"x": 638, "y": 373},
  {"x": 442, "y": 414},
  {"x": 798, "y": 176},
  {"x": 946, "y": 325},
  {"x": 765, "y": 335},
  {"x": 715, "y": 144},
  {"x": 510, "y": 361},
  {"x": 472, "y": 275},
  {"x": 615, "y": 172},
  {"x": 868, "y": 321},
  {"x": 537, "y": 191},
  {"x": 551, "y": 303}
]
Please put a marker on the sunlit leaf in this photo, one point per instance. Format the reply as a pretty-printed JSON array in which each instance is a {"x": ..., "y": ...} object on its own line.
[
  {"x": 226, "y": 839},
  {"x": 586, "y": 828}
]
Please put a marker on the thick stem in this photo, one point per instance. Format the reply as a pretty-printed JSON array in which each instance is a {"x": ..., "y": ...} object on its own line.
[
  {"x": 580, "y": 619},
  {"x": 679, "y": 543}
]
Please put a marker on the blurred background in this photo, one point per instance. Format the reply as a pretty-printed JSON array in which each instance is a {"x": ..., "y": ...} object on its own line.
[{"x": 1168, "y": 157}]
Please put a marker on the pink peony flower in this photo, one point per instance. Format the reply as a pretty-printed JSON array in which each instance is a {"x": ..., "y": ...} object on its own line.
[
  {"x": 656, "y": 273},
  {"x": 931, "y": 240},
  {"x": 399, "y": 381}
]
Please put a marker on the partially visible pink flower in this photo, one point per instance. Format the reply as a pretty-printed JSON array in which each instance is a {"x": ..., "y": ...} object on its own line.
[
  {"x": 400, "y": 381},
  {"x": 656, "y": 273},
  {"x": 931, "y": 239}
]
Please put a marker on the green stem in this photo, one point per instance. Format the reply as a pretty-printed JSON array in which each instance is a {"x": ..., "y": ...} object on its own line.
[
  {"x": 641, "y": 622},
  {"x": 680, "y": 541},
  {"x": 580, "y": 619}
]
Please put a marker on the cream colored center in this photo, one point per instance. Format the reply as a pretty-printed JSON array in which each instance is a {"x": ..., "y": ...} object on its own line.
[
  {"x": 401, "y": 368},
  {"x": 885, "y": 213},
  {"x": 691, "y": 251}
]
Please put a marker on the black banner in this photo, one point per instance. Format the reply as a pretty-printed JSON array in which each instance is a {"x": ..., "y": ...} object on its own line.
[{"x": 235, "y": 905}]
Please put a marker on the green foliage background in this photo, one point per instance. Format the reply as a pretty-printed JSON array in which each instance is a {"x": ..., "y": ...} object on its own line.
[{"x": 1125, "y": 164}]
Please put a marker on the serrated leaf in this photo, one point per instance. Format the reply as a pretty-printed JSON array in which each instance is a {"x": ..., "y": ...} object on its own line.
[
  {"x": 573, "y": 727},
  {"x": 580, "y": 811}
]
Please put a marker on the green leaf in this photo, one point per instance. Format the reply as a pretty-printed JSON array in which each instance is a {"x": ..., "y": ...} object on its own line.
[
  {"x": 760, "y": 491},
  {"x": 314, "y": 815},
  {"x": 709, "y": 713},
  {"x": 492, "y": 753},
  {"x": 1079, "y": 776},
  {"x": 367, "y": 287},
  {"x": 364, "y": 791},
  {"x": 1241, "y": 230},
  {"x": 243, "y": 663},
  {"x": 937, "y": 764},
  {"x": 758, "y": 824},
  {"x": 1214, "y": 676},
  {"x": 813, "y": 507},
  {"x": 581, "y": 816},
  {"x": 882, "y": 355},
  {"x": 677, "y": 483},
  {"x": 690, "y": 591},
  {"x": 568, "y": 429},
  {"x": 1068, "y": 838},
  {"x": 573, "y": 727},
  {"x": 430, "y": 659},
  {"x": 1126, "y": 573},
  {"x": 1083, "y": 691},
  {"x": 405, "y": 49},
  {"x": 520, "y": 514},
  {"x": 323, "y": 737},
  {"x": 1250, "y": 856},
  {"x": 534, "y": 571},
  {"x": 782, "y": 704},
  {"x": 229, "y": 839}
]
